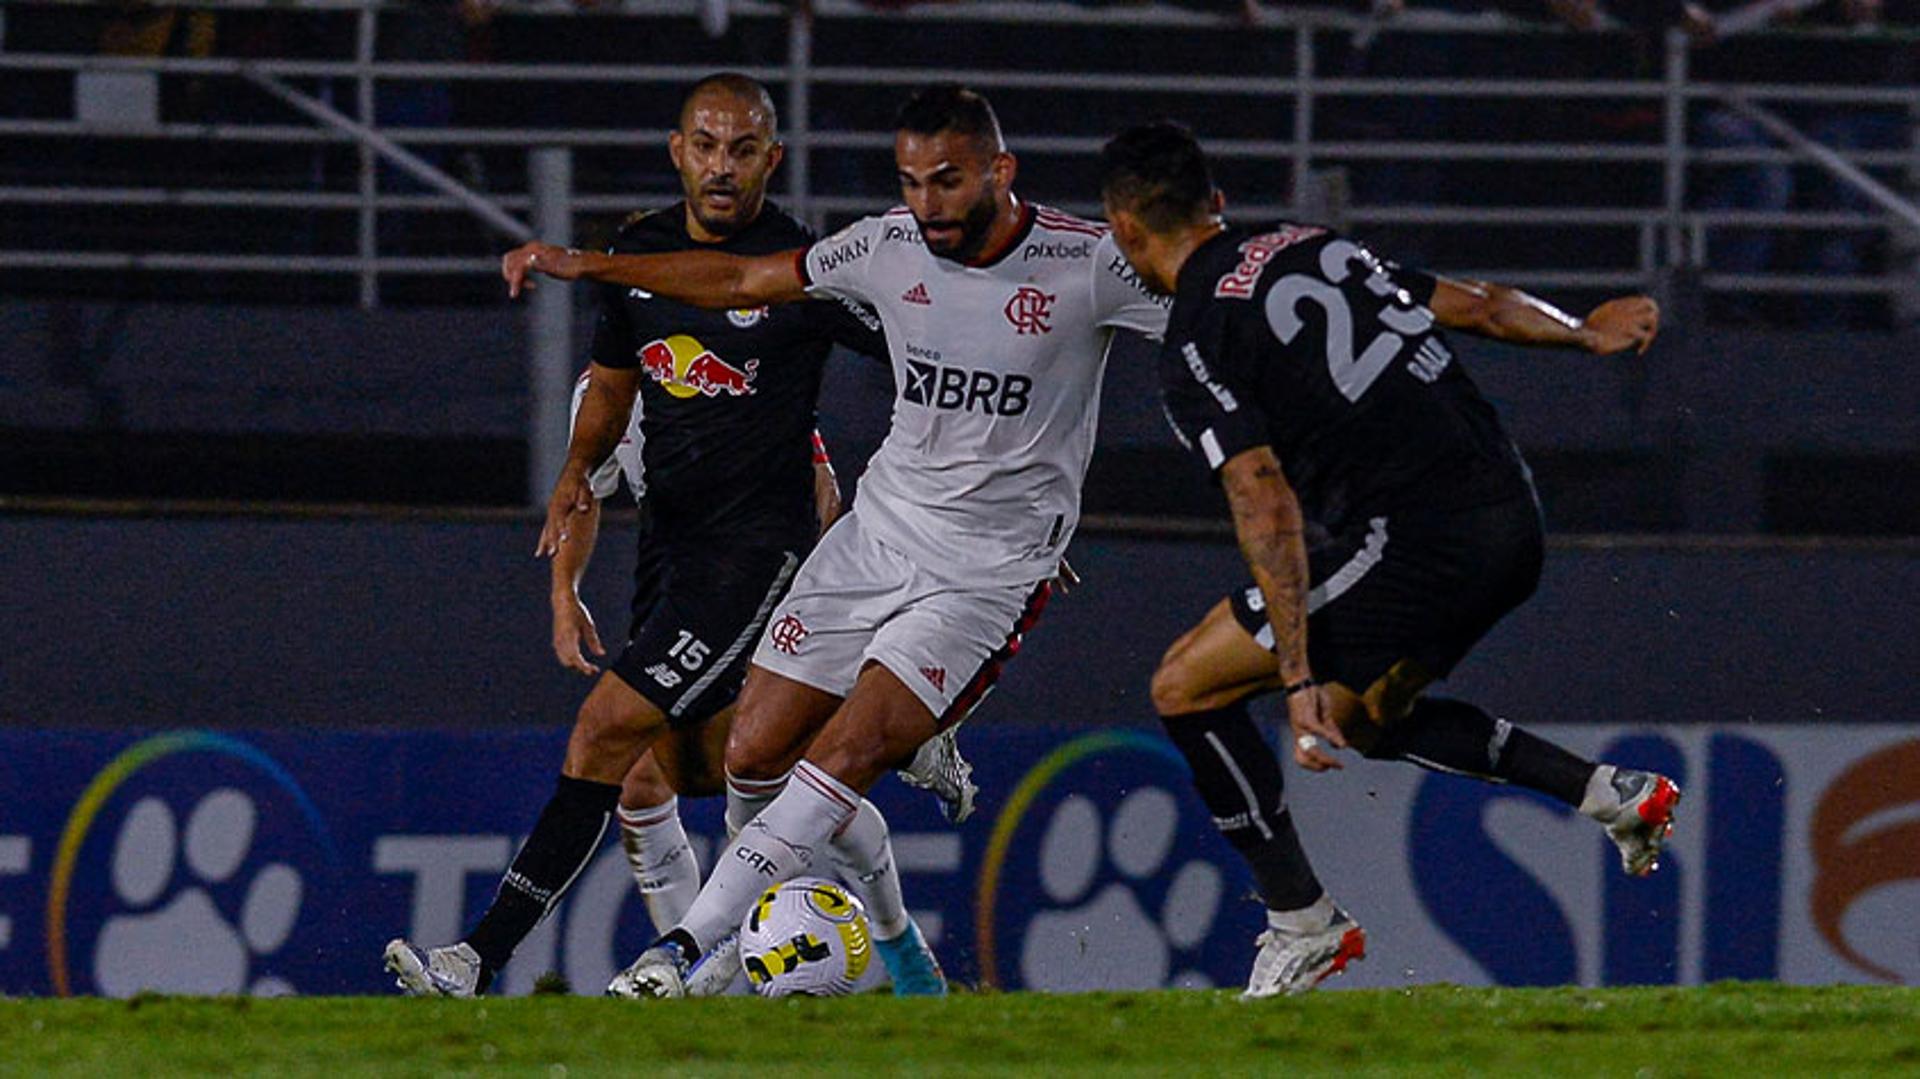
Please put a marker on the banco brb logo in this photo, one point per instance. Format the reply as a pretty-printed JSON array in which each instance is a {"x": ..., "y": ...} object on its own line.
[
  {"x": 180, "y": 871},
  {"x": 1105, "y": 872}
]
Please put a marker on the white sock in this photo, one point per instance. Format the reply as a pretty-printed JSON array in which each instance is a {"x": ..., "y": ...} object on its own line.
[
  {"x": 1312, "y": 918},
  {"x": 778, "y": 845},
  {"x": 1601, "y": 801},
  {"x": 864, "y": 851},
  {"x": 747, "y": 797},
  {"x": 663, "y": 862}
]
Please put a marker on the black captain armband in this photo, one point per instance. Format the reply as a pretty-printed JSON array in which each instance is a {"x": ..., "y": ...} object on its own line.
[{"x": 1301, "y": 686}]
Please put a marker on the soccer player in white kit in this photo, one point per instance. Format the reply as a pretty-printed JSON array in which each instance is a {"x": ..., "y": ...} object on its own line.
[{"x": 998, "y": 316}]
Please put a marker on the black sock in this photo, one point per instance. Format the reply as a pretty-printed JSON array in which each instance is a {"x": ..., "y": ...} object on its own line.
[
  {"x": 1454, "y": 736},
  {"x": 689, "y": 947},
  {"x": 565, "y": 837},
  {"x": 1238, "y": 777}
]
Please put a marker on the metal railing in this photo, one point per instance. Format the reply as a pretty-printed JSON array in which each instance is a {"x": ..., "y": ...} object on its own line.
[{"x": 1625, "y": 242}]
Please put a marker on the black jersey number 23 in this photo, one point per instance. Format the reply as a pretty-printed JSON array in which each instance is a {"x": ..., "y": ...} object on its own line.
[{"x": 1384, "y": 306}]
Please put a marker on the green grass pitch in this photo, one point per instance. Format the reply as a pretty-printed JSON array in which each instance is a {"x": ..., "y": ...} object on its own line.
[{"x": 1745, "y": 1030}]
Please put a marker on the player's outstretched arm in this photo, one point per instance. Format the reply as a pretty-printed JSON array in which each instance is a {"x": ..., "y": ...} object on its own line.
[
  {"x": 1271, "y": 529},
  {"x": 700, "y": 278},
  {"x": 1509, "y": 314}
]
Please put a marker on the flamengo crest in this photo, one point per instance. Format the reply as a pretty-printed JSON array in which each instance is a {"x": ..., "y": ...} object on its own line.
[
  {"x": 1029, "y": 310},
  {"x": 787, "y": 634}
]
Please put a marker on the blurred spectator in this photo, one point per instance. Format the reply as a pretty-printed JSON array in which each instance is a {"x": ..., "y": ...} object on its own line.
[
  {"x": 1761, "y": 187},
  {"x": 436, "y": 32},
  {"x": 717, "y": 15},
  {"x": 1847, "y": 128},
  {"x": 432, "y": 31},
  {"x": 1583, "y": 15},
  {"x": 1776, "y": 187},
  {"x": 137, "y": 28},
  {"x": 1653, "y": 17},
  {"x": 1758, "y": 187},
  {"x": 1246, "y": 11}
]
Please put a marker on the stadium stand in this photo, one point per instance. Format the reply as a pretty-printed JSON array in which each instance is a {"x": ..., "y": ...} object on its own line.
[{"x": 155, "y": 209}]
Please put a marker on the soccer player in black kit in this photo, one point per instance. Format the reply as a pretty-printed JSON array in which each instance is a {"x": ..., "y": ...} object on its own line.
[
  {"x": 726, "y": 400},
  {"x": 1315, "y": 380}
]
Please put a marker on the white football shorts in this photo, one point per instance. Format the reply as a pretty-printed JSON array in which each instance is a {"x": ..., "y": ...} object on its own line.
[{"x": 857, "y": 600}]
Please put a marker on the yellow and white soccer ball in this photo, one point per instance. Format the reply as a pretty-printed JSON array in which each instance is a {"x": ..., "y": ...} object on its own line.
[{"x": 807, "y": 937}]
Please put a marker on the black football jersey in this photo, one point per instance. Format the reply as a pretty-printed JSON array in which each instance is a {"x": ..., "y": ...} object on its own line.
[
  {"x": 1301, "y": 339},
  {"x": 726, "y": 398}
]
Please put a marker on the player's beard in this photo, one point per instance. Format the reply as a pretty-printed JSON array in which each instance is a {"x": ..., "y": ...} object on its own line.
[
  {"x": 974, "y": 227},
  {"x": 746, "y": 206}
]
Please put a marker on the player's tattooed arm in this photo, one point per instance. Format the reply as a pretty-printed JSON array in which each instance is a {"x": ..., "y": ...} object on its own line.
[
  {"x": 1511, "y": 315},
  {"x": 1272, "y": 534},
  {"x": 699, "y": 278}
]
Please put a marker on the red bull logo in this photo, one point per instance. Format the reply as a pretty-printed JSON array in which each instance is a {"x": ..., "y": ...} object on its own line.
[{"x": 686, "y": 368}]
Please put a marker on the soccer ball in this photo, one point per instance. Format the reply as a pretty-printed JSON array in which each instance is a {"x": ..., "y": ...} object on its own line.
[{"x": 806, "y": 937}]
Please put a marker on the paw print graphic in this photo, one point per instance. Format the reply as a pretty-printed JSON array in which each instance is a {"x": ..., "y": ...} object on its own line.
[
  {"x": 1128, "y": 917},
  {"x": 174, "y": 937}
]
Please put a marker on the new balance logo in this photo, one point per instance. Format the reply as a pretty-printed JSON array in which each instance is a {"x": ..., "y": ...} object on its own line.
[
  {"x": 936, "y": 675},
  {"x": 917, "y": 294},
  {"x": 957, "y": 389}
]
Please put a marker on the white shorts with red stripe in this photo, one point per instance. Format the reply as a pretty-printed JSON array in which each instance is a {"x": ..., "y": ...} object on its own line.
[{"x": 857, "y": 600}]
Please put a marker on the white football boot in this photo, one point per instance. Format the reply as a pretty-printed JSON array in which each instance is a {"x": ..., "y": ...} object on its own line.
[
  {"x": 452, "y": 971},
  {"x": 938, "y": 767},
  {"x": 660, "y": 973},
  {"x": 1637, "y": 810},
  {"x": 717, "y": 970},
  {"x": 1293, "y": 963}
]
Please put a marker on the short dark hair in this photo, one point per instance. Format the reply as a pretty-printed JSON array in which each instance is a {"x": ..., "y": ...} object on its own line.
[
  {"x": 1158, "y": 172},
  {"x": 749, "y": 90},
  {"x": 948, "y": 106}
]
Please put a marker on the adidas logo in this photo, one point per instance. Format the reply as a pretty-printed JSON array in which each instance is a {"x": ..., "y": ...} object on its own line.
[
  {"x": 917, "y": 294},
  {"x": 936, "y": 675}
]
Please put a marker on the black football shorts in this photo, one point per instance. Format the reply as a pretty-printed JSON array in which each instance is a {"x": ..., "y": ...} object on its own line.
[
  {"x": 694, "y": 635},
  {"x": 1422, "y": 587}
]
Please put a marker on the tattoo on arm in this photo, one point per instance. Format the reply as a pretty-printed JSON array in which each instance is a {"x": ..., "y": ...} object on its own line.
[{"x": 1268, "y": 525}]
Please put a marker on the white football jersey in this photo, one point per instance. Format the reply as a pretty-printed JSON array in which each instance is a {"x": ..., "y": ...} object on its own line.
[
  {"x": 626, "y": 456},
  {"x": 997, "y": 366}
]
